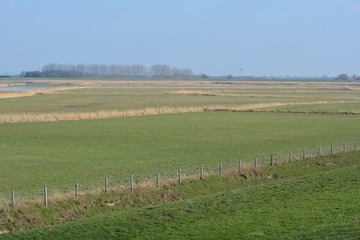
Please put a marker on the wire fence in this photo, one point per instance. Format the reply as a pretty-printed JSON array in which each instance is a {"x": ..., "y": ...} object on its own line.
[{"x": 130, "y": 182}]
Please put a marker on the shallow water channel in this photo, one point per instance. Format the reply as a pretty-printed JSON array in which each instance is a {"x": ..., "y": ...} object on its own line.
[{"x": 21, "y": 88}]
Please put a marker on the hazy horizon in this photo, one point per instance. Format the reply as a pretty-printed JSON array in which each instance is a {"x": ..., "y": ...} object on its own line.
[{"x": 219, "y": 37}]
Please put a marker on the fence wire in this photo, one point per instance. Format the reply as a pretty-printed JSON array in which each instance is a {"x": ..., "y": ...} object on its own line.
[{"x": 123, "y": 181}]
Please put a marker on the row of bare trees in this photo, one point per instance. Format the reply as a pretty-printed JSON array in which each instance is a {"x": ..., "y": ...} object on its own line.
[{"x": 109, "y": 71}]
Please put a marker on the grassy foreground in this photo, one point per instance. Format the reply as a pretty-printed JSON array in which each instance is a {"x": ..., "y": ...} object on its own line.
[
  {"x": 58, "y": 154},
  {"x": 311, "y": 199}
]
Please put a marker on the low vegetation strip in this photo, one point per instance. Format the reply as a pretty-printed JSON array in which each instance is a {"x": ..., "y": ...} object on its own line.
[
  {"x": 73, "y": 116},
  {"x": 76, "y": 116},
  {"x": 287, "y": 111},
  {"x": 310, "y": 199},
  {"x": 29, "y": 93}
]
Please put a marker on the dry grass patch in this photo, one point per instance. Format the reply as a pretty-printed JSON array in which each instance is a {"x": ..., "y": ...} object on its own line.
[
  {"x": 29, "y": 93},
  {"x": 255, "y": 106},
  {"x": 203, "y": 93},
  {"x": 71, "y": 116},
  {"x": 4, "y": 95}
]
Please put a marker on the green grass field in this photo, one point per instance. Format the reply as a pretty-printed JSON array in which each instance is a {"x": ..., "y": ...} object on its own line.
[
  {"x": 312, "y": 199},
  {"x": 302, "y": 200},
  {"x": 119, "y": 96},
  {"x": 58, "y": 154}
]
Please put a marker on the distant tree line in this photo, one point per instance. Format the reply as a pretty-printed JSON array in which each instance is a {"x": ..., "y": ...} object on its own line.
[
  {"x": 109, "y": 71},
  {"x": 344, "y": 76}
]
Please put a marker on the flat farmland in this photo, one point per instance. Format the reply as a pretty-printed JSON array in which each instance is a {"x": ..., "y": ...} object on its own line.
[
  {"x": 85, "y": 131},
  {"x": 107, "y": 96},
  {"x": 59, "y": 153}
]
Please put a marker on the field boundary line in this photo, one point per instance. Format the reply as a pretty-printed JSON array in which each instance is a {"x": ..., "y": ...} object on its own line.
[{"x": 78, "y": 116}]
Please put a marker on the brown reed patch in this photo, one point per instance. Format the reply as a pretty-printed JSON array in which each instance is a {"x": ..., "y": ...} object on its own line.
[
  {"x": 73, "y": 116},
  {"x": 203, "y": 93},
  {"x": 29, "y": 93},
  {"x": 70, "y": 116},
  {"x": 273, "y": 104},
  {"x": 4, "y": 95}
]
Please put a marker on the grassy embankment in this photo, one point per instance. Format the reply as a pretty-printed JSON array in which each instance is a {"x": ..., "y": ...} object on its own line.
[{"x": 311, "y": 199}]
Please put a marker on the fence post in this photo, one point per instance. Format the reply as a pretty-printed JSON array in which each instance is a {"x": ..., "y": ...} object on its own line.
[
  {"x": 220, "y": 168},
  {"x": 201, "y": 172},
  {"x": 273, "y": 160},
  {"x": 290, "y": 156},
  {"x": 106, "y": 185},
  {"x": 131, "y": 182},
  {"x": 255, "y": 162},
  {"x": 77, "y": 190},
  {"x": 12, "y": 199},
  {"x": 240, "y": 166},
  {"x": 331, "y": 150},
  {"x": 179, "y": 175},
  {"x": 158, "y": 180},
  {"x": 45, "y": 196},
  {"x": 319, "y": 151}
]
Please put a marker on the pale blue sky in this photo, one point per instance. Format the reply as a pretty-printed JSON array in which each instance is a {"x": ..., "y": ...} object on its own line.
[{"x": 217, "y": 37}]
